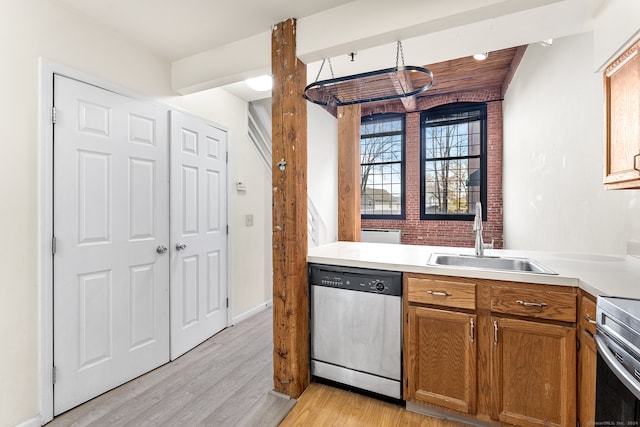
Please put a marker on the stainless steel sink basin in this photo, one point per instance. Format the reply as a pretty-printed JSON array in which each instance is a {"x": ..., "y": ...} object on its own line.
[{"x": 525, "y": 265}]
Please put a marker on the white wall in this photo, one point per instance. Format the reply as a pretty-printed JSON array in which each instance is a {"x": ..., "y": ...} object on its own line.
[
  {"x": 322, "y": 169},
  {"x": 31, "y": 29},
  {"x": 554, "y": 198},
  {"x": 616, "y": 25}
]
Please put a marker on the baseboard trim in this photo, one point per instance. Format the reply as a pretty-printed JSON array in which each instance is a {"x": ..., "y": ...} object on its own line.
[
  {"x": 441, "y": 414},
  {"x": 247, "y": 314},
  {"x": 32, "y": 422}
]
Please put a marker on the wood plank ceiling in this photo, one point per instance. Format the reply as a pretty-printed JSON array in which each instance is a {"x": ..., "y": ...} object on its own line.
[
  {"x": 456, "y": 76},
  {"x": 468, "y": 74}
]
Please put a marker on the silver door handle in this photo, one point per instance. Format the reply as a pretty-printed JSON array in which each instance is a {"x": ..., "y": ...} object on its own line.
[
  {"x": 181, "y": 247},
  {"x": 162, "y": 249},
  {"x": 531, "y": 304},
  {"x": 439, "y": 293},
  {"x": 473, "y": 329}
]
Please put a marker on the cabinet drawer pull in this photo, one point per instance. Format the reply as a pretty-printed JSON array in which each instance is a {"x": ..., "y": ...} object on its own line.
[
  {"x": 531, "y": 304},
  {"x": 473, "y": 329},
  {"x": 588, "y": 319},
  {"x": 495, "y": 333},
  {"x": 440, "y": 293},
  {"x": 635, "y": 162}
]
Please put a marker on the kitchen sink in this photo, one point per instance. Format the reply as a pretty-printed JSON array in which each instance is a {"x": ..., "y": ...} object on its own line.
[{"x": 525, "y": 265}]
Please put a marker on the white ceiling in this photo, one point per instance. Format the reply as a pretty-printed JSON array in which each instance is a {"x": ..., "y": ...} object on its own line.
[
  {"x": 174, "y": 29},
  {"x": 218, "y": 43}
]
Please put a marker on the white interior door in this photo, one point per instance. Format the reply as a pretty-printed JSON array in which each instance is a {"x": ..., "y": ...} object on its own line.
[
  {"x": 111, "y": 205},
  {"x": 198, "y": 232}
]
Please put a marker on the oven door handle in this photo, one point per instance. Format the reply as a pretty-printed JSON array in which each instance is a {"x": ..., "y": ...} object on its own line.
[{"x": 616, "y": 367}]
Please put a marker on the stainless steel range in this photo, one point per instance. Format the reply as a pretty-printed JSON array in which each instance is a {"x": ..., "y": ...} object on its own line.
[
  {"x": 618, "y": 366},
  {"x": 356, "y": 327}
]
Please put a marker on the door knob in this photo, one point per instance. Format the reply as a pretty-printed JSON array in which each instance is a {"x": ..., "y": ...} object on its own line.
[
  {"x": 181, "y": 247},
  {"x": 162, "y": 249}
]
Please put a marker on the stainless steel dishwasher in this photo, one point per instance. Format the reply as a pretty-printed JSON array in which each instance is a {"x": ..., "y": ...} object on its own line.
[{"x": 356, "y": 327}]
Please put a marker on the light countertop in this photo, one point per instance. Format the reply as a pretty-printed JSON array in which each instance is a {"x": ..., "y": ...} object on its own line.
[{"x": 596, "y": 274}]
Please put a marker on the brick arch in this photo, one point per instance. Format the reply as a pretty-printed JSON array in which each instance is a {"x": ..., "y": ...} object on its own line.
[{"x": 439, "y": 232}]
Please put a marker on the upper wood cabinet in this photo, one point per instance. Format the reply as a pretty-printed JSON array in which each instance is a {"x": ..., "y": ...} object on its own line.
[{"x": 622, "y": 121}]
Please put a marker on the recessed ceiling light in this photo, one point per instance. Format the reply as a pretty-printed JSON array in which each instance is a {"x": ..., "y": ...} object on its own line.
[
  {"x": 481, "y": 56},
  {"x": 547, "y": 42},
  {"x": 260, "y": 83}
]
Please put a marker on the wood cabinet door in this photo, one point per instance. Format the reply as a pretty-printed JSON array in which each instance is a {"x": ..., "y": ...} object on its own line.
[
  {"x": 587, "y": 360},
  {"x": 440, "y": 359},
  {"x": 588, "y": 356},
  {"x": 622, "y": 121},
  {"x": 533, "y": 373}
]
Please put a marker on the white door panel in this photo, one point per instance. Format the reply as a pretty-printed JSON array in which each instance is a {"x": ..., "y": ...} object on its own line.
[
  {"x": 111, "y": 287},
  {"x": 198, "y": 221}
]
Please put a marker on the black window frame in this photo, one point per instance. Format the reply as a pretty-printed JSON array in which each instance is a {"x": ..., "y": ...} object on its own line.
[
  {"x": 452, "y": 109},
  {"x": 402, "y": 118}
]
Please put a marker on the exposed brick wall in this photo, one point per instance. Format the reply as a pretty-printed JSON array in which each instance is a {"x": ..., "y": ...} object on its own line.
[{"x": 449, "y": 233}]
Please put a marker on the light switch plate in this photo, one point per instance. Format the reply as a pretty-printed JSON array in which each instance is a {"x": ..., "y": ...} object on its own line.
[{"x": 248, "y": 220}]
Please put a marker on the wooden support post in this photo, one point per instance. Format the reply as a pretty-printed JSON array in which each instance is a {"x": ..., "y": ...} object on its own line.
[
  {"x": 349, "y": 173},
  {"x": 289, "y": 179}
]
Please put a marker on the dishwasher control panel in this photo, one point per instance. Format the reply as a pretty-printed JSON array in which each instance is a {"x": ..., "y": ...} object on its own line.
[{"x": 356, "y": 279}]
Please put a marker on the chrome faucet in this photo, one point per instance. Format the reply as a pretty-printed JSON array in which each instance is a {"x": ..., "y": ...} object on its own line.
[{"x": 477, "y": 227}]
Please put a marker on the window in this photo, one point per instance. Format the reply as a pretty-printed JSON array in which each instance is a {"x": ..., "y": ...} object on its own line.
[
  {"x": 382, "y": 166},
  {"x": 454, "y": 161}
]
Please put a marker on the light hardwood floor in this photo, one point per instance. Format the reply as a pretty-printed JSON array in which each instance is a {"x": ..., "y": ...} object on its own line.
[
  {"x": 219, "y": 383},
  {"x": 227, "y": 381},
  {"x": 323, "y": 406}
]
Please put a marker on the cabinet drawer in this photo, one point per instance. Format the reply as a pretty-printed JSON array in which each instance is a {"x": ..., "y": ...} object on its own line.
[
  {"x": 588, "y": 315},
  {"x": 447, "y": 293},
  {"x": 540, "y": 304}
]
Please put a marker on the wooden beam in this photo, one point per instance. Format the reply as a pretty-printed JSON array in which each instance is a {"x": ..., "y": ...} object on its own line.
[
  {"x": 349, "y": 173},
  {"x": 289, "y": 179},
  {"x": 402, "y": 85}
]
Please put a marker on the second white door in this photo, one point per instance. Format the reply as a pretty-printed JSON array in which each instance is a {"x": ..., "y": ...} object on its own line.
[{"x": 198, "y": 232}]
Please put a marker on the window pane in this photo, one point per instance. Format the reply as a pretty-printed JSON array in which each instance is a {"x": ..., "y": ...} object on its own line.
[
  {"x": 381, "y": 149},
  {"x": 380, "y": 126},
  {"x": 458, "y": 140},
  {"x": 381, "y": 145},
  {"x": 447, "y": 187},
  {"x": 381, "y": 192},
  {"x": 452, "y": 141}
]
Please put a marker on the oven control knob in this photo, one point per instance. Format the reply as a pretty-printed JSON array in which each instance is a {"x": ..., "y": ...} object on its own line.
[{"x": 379, "y": 286}]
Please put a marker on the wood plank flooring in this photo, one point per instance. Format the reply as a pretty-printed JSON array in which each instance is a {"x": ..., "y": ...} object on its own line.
[
  {"x": 227, "y": 381},
  {"x": 217, "y": 383},
  {"x": 323, "y": 406}
]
